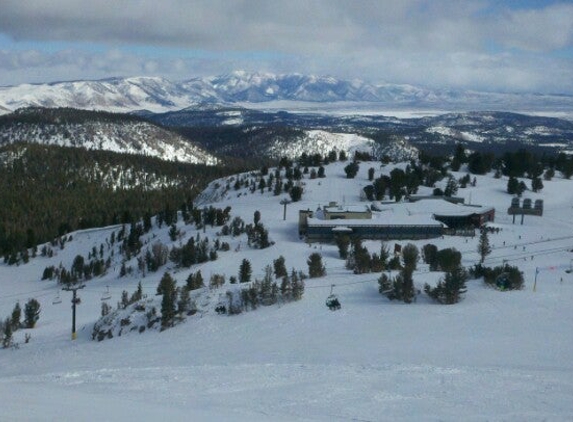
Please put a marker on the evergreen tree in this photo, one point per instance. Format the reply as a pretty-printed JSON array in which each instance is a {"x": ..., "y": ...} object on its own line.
[
  {"x": 137, "y": 295},
  {"x": 297, "y": 285},
  {"x": 295, "y": 193},
  {"x": 195, "y": 281},
  {"x": 449, "y": 290},
  {"x": 343, "y": 243},
  {"x": 315, "y": 267},
  {"x": 16, "y": 316},
  {"x": 7, "y": 334},
  {"x": 245, "y": 271},
  {"x": 286, "y": 289},
  {"x": 371, "y": 173},
  {"x": 268, "y": 293},
  {"x": 410, "y": 257},
  {"x": 184, "y": 303},
  {"x": 459, "y": 157},
  {"x": 512, "y": 186},
  {"x": 484, "y": 249},
  {"x": 173, "y": 232},
  {"x": 351, "y": 170},
  {"x": 280, "y": 267},
  {"x": 448, "y": 259},
  {"x": 536, "y": 184},
  {"x": 167, "y": 283},
  {"x": 31, "y": 313},
  {"x": 384, "y": 255},
  {"x": 521, "y": 187},
  {"x": 451, "y": 187},
  {"x": 168, "y": 289}
]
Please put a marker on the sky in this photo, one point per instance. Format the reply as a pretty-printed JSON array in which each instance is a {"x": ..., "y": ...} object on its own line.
[{"x": 507, "y": 46}]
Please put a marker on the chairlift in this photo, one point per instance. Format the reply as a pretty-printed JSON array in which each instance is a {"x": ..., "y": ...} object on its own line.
[
  {"x": 570, "y": 269},
  {"x": 332, "y": 301},
  {"x": 106, "y": 295},
  {"x": 57, "y": 299}
]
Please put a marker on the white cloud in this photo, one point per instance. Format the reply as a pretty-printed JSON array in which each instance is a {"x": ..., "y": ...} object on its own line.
[
  {"x": 536, "y": 30},
  {"x": 438, "y": 43}
]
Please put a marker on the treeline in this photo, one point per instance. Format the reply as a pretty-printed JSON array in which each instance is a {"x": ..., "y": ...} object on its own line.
[
  {"x": 62, "y": 116},
  {"x": 47, "y": 191}
]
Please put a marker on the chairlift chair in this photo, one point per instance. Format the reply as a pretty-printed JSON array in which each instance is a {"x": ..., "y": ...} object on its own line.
[
  {"x": 57, "y": 299},
  {"x": 332, "y": 301},
  {"x": 106, "y": 295}
]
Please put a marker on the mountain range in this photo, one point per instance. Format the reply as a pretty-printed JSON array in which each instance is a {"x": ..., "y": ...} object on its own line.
[{"x": 161, "y": 95}]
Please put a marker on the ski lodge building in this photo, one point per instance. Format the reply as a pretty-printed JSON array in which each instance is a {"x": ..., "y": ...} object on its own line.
[{"x": 422, "y": 219}]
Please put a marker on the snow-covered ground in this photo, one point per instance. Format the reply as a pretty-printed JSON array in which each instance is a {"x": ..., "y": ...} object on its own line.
[{"x": 493, "y": 356}]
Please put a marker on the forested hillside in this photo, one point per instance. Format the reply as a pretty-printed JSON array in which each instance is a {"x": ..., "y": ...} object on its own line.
[
  {"x": 46, "y": 191},
  {"x": 97, "y": 130}
]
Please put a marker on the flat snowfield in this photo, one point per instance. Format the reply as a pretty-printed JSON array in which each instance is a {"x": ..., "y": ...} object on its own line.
[{"x": 496, "y": 355}]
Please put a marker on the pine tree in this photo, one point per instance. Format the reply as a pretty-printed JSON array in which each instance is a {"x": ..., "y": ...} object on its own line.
[
  {"x": 315, "y": 267},
  {"x": 286, "y": 289},
  {"x": 430, "y": 255},
  {"x": 484, "y": 249},
  {"x": 343, "y": 242},
  {"x": 169, "y": 291},
  {"x": 384, "y": 255},
  {"x": 279, "y": 267},
  {"x": 297, "y": 285},
  {"x": 195, "y": 281},
  {"x": 183, "y": 305},
  {"x": 267, "y": 287},
  {"x": 295, "y": 193},
  {"x": 16, "y": 315},
  {"x": 449, "y": 290},
  {"x": 536, "y": 184},
  {"x": 245, "y": 271},
  {"x": 7, "y": 334},
  {"x": 410, "y": 257},
  {"x": 31, "y": 313},
  {"x": 137, "y": 295},
  {"x": 512, "y": 186},
  {"x": 371, "y": 173},
  {"x": 173, "y": 232},
  {"x": 351, "y": 170}
]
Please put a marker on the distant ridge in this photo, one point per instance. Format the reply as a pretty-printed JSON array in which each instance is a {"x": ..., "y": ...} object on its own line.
[{"x": 160, "y": 95}]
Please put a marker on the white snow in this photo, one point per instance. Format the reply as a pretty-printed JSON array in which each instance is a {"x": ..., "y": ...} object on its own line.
[{"x": 493, "y": 356}]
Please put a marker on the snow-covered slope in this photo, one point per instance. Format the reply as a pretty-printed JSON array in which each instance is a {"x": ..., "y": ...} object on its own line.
[
  {"x": 99, "y": 132},
  {"x": 321, "y": 142},
  {"x": 158, "y": 94},
  {"x": 493, "y": 356}
]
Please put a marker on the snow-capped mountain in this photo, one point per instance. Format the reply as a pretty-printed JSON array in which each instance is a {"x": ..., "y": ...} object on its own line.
[
  {"x": 99, "y": 131},
  {"x": 158, "y": 94}
]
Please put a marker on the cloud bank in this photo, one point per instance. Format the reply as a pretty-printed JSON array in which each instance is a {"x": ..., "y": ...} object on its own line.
[{"x": 440, "y": 43}]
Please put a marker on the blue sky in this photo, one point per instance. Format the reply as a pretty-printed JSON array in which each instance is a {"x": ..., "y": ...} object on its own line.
[{"x": 517, "y": 46}]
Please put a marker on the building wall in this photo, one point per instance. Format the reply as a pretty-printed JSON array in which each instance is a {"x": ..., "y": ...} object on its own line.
[{"x": 324, "y": 233}]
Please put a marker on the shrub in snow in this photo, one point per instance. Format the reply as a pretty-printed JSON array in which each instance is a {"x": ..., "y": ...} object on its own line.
[
  {"x": 449, "y": 290},
  {"x": 503, "y": 277}
]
